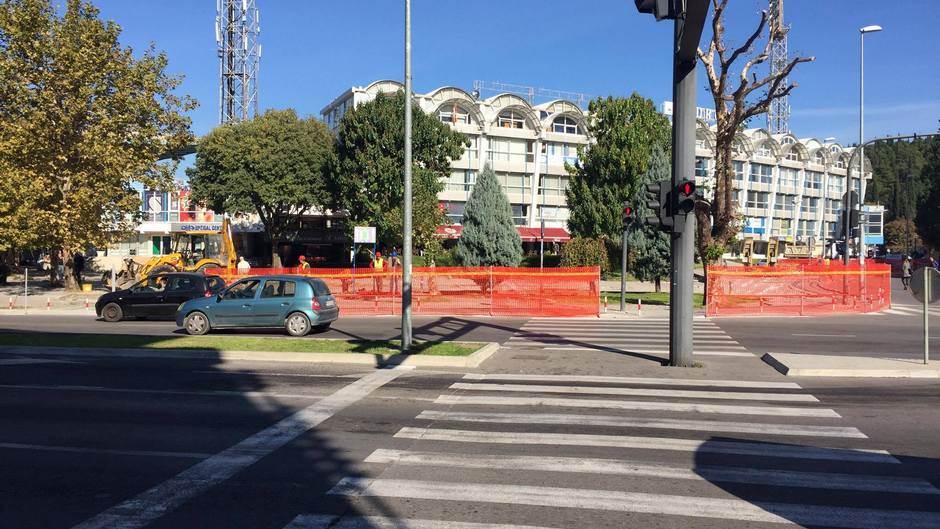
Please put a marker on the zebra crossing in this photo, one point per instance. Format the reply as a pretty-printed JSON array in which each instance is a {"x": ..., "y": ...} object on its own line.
[
  {"x": 910, "y": 310},
  {"x": 644, "y": 336},
  {"x": 482, "y": 457}
]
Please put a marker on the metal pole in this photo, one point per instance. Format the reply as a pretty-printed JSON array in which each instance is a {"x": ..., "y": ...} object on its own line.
[
  {"x": 113, "y": 279},
  {"x": 683, "y": 236},
  {"x": 861, "y": 146},
  {"x": 928, "y": 289},
  {"x": 623, "y": 275},
  {"x": 542, "y": 243},
  {"x": 25, "y": 290},
  {"x": 406, "y": 234}
]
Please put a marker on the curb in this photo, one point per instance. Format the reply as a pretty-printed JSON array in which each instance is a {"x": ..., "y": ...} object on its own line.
[
  {"x": 473, "y": 360},
  {"x": 881, "y": 367}
]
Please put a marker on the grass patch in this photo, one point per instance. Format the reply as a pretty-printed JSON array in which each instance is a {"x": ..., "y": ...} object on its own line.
[
  {"x": 649, "y": 298},
  {"x": 234, "y": 343}
]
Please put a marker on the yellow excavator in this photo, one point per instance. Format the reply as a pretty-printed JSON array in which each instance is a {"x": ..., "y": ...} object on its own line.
[{"x": 196, "y": 250}]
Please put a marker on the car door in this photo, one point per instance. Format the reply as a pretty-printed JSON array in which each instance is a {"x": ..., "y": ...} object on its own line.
[
  {"x": 236, "y": 307},
  {"x": 180, "y": 289},
  {"x": 275, "y": 302},
  {"x": 146, "y": 296}
]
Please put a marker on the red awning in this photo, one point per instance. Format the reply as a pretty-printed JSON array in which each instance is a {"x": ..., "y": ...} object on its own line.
[{"x": 527, "y": 234}]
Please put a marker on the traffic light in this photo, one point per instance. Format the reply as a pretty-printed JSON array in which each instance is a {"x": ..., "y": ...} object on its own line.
[
  {"x": 628, "y": 215},
  {"x": 657, "y": 199},
  {"x": 661, "y": 9},
  {"x": 853, "y": 221},
  {"x": 685, "y": 197}
]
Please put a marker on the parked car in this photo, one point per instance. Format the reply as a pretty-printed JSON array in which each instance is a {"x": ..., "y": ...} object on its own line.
[
  {"x": 298, "y": 303},
  {"x": 157, "y": 296}
]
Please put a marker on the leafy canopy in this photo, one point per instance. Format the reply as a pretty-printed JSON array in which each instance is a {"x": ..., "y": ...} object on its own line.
[
  {"x": 489, "y": 237},
  {"x": 81, "y": 119},
  {"x": 368, "y": 180},
  {"x": 273, "y": 165},
  {"x": 649, "y": 245},
  {"x": 610, "y": 170}
]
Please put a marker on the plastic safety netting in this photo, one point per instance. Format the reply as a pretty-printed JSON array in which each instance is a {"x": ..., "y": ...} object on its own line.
[
  {"x": 798, "y": 289},
  {"x": 457, "y": 291}
]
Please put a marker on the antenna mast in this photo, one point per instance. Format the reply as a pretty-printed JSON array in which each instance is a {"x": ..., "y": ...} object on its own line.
[
  {"x": 778, "y": 115},
  {"x": 237, "y": 26}
]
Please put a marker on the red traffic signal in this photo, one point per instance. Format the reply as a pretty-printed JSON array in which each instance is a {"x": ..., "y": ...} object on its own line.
[
  {"x": 687, "y": 188},
  {"x": 685, "y": 201},
  {"x": 627, "y": 211}
]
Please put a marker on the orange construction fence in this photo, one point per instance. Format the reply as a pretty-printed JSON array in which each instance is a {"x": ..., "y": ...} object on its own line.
[
  {"x": 489, "y": 291},
  {"x": 798, "y": 289}
]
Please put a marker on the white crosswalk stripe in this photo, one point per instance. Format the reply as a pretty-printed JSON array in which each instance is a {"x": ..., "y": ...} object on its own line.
[
  {"x": 475, "y": 452},
  {"x": 638, "y": 392}
]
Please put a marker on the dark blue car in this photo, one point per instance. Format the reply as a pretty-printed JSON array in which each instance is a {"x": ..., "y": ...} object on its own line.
[{"x": 297, "y": 303}]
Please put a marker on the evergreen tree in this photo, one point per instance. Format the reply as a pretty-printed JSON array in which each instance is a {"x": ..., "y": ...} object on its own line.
[
  {"x": 489, "y": 237},
  {"x": 649, "y": 246}
]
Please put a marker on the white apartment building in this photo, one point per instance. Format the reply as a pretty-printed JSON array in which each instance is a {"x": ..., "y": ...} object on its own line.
[
  {"x": 786, "y": 187},
  {"x": 526, "y": 145}
]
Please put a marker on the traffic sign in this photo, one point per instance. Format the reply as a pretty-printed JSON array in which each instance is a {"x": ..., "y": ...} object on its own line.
[
  {"x": 364, "y": 234},
  {"x": 932, "y": 280}
]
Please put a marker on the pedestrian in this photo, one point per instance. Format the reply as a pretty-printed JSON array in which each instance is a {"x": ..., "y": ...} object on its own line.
[
  {"x": 378, "y": 265},
  {"x": 243, "y": 266},
  {"x": 304, "y": 265},
  {"x": 78, "y": 266},
  {"x": 906, "y": 272},
  {"x": 393, "y": 259}
]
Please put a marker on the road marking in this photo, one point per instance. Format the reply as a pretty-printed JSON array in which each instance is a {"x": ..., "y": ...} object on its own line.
[
  {"x": 644, "y": 422},
  {"x": 641, "y": 502},
  {"x": 633, "y": 380},
  {"x": 207, "y": 393},
  {"x": 146, "y": 507},
  {"x": 753, "y": 476},
  {"x": 628, "y": 349},
  {"x": 824, "y": 335},
  {"x": 109, "y": 451},
  {"x": 325, "y": 521},
  {"x": 619, "y": 339},
  {"x": 638, "y": 405},
  {"x": 638, "y": 392},
  {"x": 760, "y": 449},
  {"x": 29, "y": 361},
  {"x": 266, "y": 374}
]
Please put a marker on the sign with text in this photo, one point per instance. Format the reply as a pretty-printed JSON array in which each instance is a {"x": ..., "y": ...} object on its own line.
[
  {"x": 364, "y": 234},
  {"x": 196, "y": 226}
]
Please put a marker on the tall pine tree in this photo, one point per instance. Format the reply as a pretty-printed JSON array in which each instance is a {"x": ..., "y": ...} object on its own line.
[
  {"x": 649, "y": 246},
  {"x": 489, "y": 237}
]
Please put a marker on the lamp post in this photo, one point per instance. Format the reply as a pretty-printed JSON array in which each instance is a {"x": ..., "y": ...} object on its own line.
[
  {"x": 406, "y": 210},
  {"x": 861, "y": 141}
]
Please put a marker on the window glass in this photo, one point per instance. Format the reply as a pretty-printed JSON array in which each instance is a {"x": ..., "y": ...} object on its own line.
[
  {"x": 453, "y": 113},
  {"x": 320, "y": 288},
  {"x": 242, "y": 290},
  {"x": 512, "y": 119},
  {"x": 738, "y": 170},
  {"x": 181, "y": 284},
  {"x": 151, "y": 284},
  {"x": 277, "y": 288},
  {"x": 214, "y": 283},
  {"x": 813, "y": 180},
  {"x": 565, "y": 125},
  {"x": 761, "y": 173}
]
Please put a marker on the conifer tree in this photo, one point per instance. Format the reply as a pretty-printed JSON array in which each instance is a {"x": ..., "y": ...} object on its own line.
[
  {"x": 489, "y": 237},
  {"x": 650, "y": 245}
]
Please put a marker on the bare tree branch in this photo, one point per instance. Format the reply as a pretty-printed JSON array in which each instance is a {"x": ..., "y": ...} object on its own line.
[{"x": 749, "y": 42}]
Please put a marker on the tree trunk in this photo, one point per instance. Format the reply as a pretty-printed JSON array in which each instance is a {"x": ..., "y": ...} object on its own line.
[
  {"x": 275, "y": 256},
  {"x": 68, "y": 271},
  {"x": 658, "y": 283}
]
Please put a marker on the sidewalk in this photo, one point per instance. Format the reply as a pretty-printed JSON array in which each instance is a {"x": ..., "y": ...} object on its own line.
[{"x": 811, "y": 365}]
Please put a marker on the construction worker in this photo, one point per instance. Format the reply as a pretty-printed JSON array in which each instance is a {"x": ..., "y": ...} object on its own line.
[
  {"x": 378, "y": 264},
  {"x": 304, "y": 265}
]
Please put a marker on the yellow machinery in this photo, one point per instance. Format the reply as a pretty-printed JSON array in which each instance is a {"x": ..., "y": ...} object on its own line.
[{"x": 193, "y": 251}]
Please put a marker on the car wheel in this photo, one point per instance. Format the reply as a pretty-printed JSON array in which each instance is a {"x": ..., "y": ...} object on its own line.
[
  {"x": 112, "y": 312},
  {"x": 297, "y": 324},
  {"x": 196, "y": 323},
  {"x": 323, "y": 327}
]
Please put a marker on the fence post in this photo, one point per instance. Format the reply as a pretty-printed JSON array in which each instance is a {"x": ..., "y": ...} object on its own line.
[
  {"x": 491, "y": 290},
  {"x": 802, "y": 287}
]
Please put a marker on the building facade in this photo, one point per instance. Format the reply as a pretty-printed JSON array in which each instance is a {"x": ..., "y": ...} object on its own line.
[
  {"x": 785, "y": 187},
  {"x": 526, "y": 145}
]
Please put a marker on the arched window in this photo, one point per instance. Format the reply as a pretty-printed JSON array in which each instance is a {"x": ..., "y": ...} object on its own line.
[
  {"x": 511, "y": 119},
  {"x": 565, "y": 125},
  {"x": 833, "y": 149},
  {"x": 765, "y": 151},
  {"x": 453, "y": 113},
  {"x": 820, "y": 158},
  {"x": 787, "y": 140},
  {"x": 793, "y": 155},
  {"x": 840, "y": 163}
]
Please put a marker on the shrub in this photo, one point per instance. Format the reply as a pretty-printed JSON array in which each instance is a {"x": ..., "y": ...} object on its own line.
[{"x": 582, "y": 251}]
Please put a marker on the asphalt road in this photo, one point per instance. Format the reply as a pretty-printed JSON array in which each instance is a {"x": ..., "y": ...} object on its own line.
[
  {"x": 896, "y": 333},
  {"x": 478, "y": 329},
  {"x": 181, "y": 444}
]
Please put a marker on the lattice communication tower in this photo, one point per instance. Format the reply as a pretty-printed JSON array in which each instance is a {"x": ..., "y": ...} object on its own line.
[
  {"x": 237, "y": 27},
  {"x": 778, "y": 115}
]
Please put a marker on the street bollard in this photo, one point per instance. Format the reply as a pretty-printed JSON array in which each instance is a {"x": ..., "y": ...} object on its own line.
[
  {"x": 48, "y": 303},
  {"x": 605, "y": 305},
  {"x": 12, "y": 298},
  {"x": 86, "y": 304},
  {"x": 639, "y": 307}
]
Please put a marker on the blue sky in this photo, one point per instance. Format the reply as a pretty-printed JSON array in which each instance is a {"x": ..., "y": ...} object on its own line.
[{"x": 315, "y": 49}]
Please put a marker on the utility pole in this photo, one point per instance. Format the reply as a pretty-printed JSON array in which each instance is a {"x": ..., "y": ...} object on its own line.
[
  {"x": 861, "y": 140},
  {"x": 676, "y": 198},
  {"x": 406, "y": 229}
]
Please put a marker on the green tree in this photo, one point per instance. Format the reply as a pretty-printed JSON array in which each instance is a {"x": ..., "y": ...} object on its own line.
[
  {"x": 897, "y": 177},
  {"x": 273, "y": 165},
  {"x": 609, "y": 171},
  {"x": 649, "y": 245},
  {"x": 928, "y": 213},
  {"x": 901, "y": 236},
  {"x": 367, "y": 181},
  {"x": 81, "y": 119},
  {"x": 489, "y": 237},
  {"x": 584, "y": 251}
]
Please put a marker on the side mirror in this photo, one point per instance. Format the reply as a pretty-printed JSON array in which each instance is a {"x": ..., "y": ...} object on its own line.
[{"x": 218, "y": 297}]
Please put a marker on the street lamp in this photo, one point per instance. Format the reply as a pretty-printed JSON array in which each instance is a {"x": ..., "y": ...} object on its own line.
[
  {"x": 861, "y": 141},
  {"x": 406, "y": 335}
]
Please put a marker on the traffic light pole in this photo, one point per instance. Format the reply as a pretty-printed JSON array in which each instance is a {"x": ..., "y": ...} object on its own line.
[
  {"x": 623, "y": 274},
  {"x": 683, "y": 230}
]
